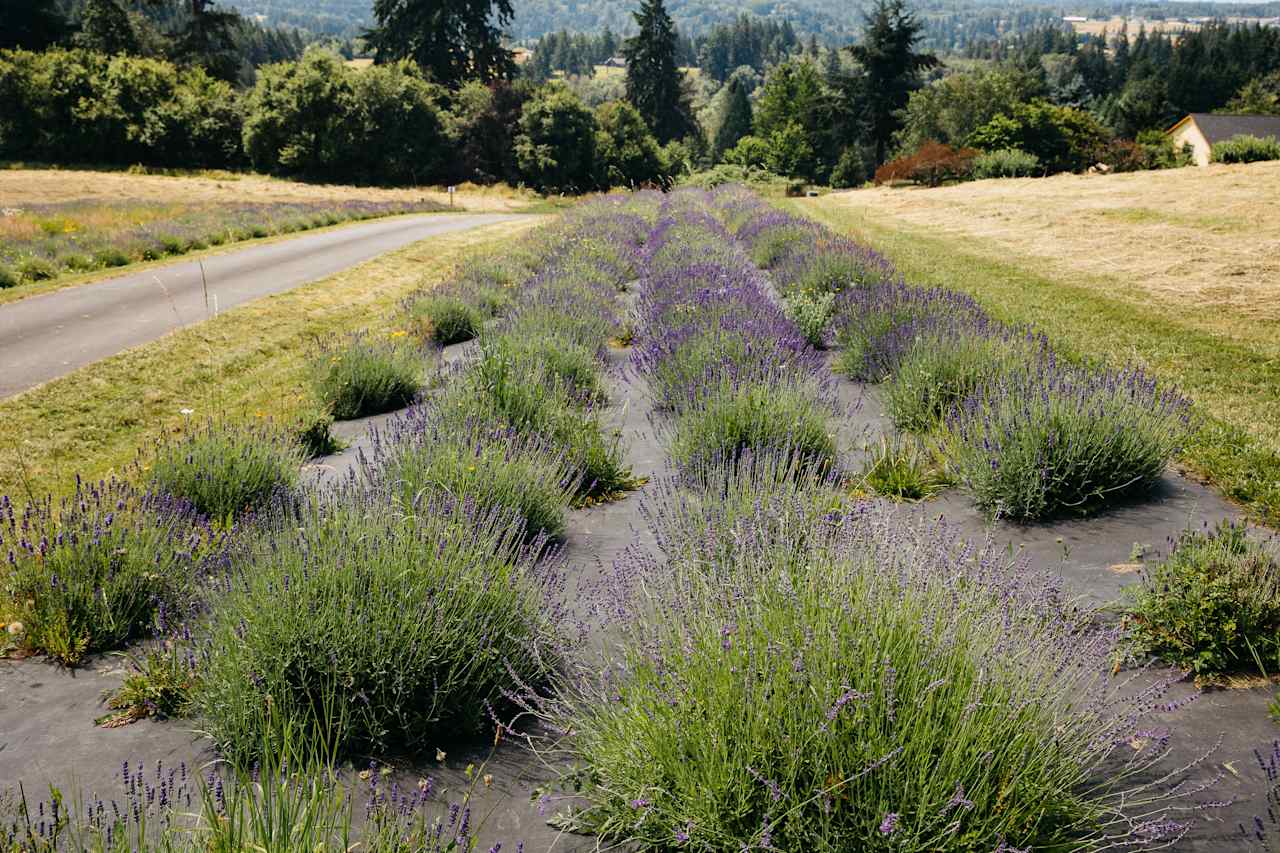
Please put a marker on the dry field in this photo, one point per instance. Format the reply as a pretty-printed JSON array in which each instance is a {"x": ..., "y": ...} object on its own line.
[
  {"x": 21, "y": 187},
  {"x": 1200, "y": 244}
]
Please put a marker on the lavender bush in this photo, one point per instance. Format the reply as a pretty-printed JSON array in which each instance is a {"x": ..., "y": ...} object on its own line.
[
  {"x": 367, "y": 626},
  {"x": 224, "y": 470},
  {"x": 367, "y": 376},
  {"x": 89, "y": 574},
  {"x": 874, "y": 686},
  {"x": 1049, "y": 439}
]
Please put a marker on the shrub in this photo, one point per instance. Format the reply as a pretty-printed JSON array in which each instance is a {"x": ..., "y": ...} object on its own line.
[
  {"x": 77, "y": 263},
  {"x": 812, "y": 313},
  {"x": 871, "y": 687},
  {"x": 1063, "y": 138},
  {"x": 108, "y": 258},
  {"x": 37, "y": 269},
  {"x": 429, "y": 452},
  {"x": 224, "y": 470},
  {"x": 366, "y": 628},
  {"x": 367, "y": 376},
  {"x": 311, "y": 428},
  {"x": 758, "y": 417},
  {"x": 901, "y": 469},
  {"x": 1245, "y": 149},
  {"x": 1047, "y": 439},
  {"x": 91, "y": 574},
  {"x": 1005, "y": 163},
  {"x": 933, "y": 164},
  {"x": 831, "y": 268},
  {"x": 8, "y": 278},
  {"x": 850, "y": 170},
  {"x": 773, "y": 244},
  {"x": 1212, "y": 607},
  {"x": 445, "y": 319},
  {"x": 939, "y": 370}
]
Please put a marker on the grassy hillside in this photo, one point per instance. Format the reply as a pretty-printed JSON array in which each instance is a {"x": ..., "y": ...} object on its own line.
[{"x": 1175, "y": 270}]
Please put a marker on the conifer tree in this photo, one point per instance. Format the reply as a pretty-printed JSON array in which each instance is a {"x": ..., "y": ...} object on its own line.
[
  {"x": 737, "y": 118},
  {"x": 655, "y": 86},
  {"x": 453, "y": 41}
]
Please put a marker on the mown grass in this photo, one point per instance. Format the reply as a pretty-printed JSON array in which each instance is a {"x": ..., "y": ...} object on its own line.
[
  {"x": 1235, "y": 385},
  {"x": 250, "y": 362}
]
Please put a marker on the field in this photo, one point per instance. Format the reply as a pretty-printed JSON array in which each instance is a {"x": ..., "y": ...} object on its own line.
[
  {"x": 60, "y": 226},
  {"x": 678, "y": 522},
  {"x": 1173, "y": 269}
]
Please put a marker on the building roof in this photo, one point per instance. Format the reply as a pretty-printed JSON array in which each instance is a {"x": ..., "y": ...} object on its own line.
[{"x": 1217, "y": 128}]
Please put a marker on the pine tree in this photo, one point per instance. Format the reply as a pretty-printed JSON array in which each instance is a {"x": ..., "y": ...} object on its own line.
[
  {"x": 451, "y": 40},
  {"x": 31, "y": 24},
  {"x": 105, "y": 27},
  {"x": 737, "y": 118},
  {"x": 655, "y": 86},
  {"x": 891, "y": 66}
]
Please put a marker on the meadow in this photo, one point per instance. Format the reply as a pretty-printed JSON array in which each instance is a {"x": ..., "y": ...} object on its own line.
[{"x": 632, "y": 550}]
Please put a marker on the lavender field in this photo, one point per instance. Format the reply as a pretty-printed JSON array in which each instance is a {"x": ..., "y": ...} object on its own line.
[
  {"x": 45, "y": 241},
  {"x": 628, "y": 551}
]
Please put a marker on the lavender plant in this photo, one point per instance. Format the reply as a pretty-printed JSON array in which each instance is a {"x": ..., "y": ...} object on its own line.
[
  {"x": 794, "y": 689},
  {"x": 365, "y": 376},
  {"x": 367, "y": 626},
  {"x": 1048, "y": 439},
  {"x": 224, "y": 470},
  {"x": 90, "y": 574}
]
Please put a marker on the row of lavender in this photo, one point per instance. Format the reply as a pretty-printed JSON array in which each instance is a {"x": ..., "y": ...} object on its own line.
[
  {"x": 1031, "y": 436},
  {"x": 388, "y": 614},
  {"x": 796, "y": 671}
]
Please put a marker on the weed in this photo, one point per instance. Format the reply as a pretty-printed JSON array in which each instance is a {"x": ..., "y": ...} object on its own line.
[
  {"x": 366, "y": 376},
  {"x": 901, "y": 469}
]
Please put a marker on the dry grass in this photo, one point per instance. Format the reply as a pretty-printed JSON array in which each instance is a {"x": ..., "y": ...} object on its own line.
[
  {"x": 1199, "y": 244},
  {"x": 20, "y": 187},
  {"x": 248, "y": 362}
]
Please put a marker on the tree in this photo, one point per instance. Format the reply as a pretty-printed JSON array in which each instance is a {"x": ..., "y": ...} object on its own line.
[
  {"x": 556, "y": 146},
  {"x": 626, "y": 151},
  {"x": 451, "y": 40},
  {"x": 655, "y": 86},
  {"x": 298, "y": 118},
  {"x": 399, "y": 132},
  {"x": 737, "y": 118},
  {"x": 891, "y": 65},
  {"x": 31, "y": 24},
  {"x": 485, "y": 121},
  {"x": 105, "y": 27},
  {"x": 1260, "y": 96},
  {"x": 953, "y": 107},
  {"x": 1065, "y": 139}
]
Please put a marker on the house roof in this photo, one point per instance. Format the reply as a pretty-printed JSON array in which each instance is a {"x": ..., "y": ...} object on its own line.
[{"x": 1216, "y": 127}]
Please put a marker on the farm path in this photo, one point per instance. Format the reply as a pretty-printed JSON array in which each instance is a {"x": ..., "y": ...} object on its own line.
[{"x": 47, "y": 336}]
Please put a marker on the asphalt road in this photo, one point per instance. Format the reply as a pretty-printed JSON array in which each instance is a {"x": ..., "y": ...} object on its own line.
[{"x": 47, "y": 336}]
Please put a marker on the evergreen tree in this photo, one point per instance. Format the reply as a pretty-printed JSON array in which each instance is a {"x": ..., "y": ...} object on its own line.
[
  {"x": 655, "y": 86},
  {"x": 737, "y": 118},
  {"x": 891, "y": 65},
  {"x": 451, "y": 40},
  {"x": 105, "y": 27}
]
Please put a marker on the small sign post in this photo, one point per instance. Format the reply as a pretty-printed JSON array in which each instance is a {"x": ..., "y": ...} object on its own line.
[{"x": 452, "y": 190}]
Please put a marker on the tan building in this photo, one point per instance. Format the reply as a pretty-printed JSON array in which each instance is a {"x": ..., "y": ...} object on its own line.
[{"x": 1202, "y": 130}]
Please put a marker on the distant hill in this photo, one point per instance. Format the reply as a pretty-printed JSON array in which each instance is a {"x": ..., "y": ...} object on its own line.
[{"x": 950, "y": 24}]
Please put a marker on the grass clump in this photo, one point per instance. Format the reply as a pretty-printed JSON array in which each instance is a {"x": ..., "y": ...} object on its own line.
[
  {"x": 36, "y": 269},
  {"x": 901, "y": 469},
  {"x": 8, "y": 278},
  {"x": 434, "y": 451},
  {"x": 367, "y": 376},
  {"x": 370, "y": 628},
  {"x": 878, "y": 688},
  {"x": 759, "y": 417},
  {"x": 90, "y": 574},
  {"x": 1049, "y": 440},
  {"x": 223, "y": 470},
  {"x": 1212, "y": 607},
  {"x": 445, "y": 319}
]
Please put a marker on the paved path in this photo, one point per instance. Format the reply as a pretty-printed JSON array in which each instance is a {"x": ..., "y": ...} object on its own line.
[{"x": 47, "y": 336}]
